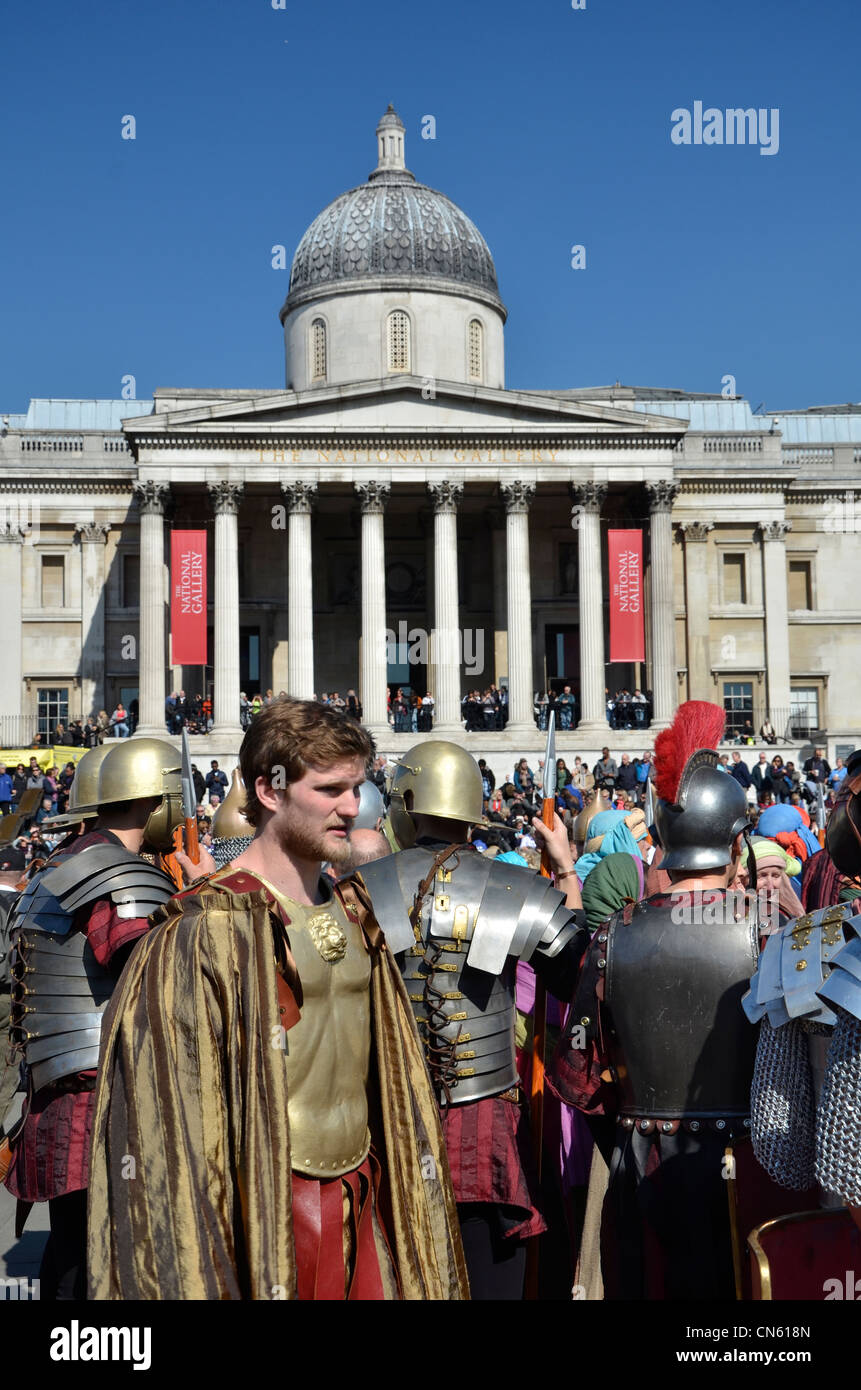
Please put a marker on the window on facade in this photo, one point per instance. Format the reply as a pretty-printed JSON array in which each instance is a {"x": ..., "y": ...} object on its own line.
[
  {"x": 53, "y": 581},
  {"x": 398, "y": 341},
  {"x": 800, "y": 586},
  {"x": 805, "y": 709},
  {"x": 738, "y": 703},
  {"x": 734, "y": 579},
  {"x": 476, "y": 350},
  {"x": 52, "y": 707},
  {"x": 318, "y": 350},
  {"x": 131, "y": 597}
]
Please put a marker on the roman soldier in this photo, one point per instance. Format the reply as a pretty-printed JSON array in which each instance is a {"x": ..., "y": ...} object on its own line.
[
  {"x": 458, "y": 922},
  {"x": 72, "y": 929},
  {"x": 262, "y": 1073},
  {"x": 806, "y": 993},
  {"x": 657, "y": 1039}
]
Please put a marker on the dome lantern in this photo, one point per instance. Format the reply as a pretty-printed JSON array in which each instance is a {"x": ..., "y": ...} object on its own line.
[{"x": 390, "y": 147}]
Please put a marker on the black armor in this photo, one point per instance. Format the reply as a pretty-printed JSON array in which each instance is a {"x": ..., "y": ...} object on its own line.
[
  {"x": 477, "y": 919},
  {"x": 678, "y": 1042},
  {"x": 59, "y": 991}
]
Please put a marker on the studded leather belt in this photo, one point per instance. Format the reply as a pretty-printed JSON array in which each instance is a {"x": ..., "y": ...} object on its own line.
[{"x": 655, "y": 1124}]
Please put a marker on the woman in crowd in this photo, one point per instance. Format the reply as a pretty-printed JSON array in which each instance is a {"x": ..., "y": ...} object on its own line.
[
  {"x": 777, "y": 898},
  {"x": 524, "y": 782},
  {"x": 781, "y": 783},
  {"x": 19, "y": 784},
  {"x": 563, "y": 774}
]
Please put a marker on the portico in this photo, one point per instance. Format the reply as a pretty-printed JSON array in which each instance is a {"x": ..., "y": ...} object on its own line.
[{"x": 295, "y": 481}]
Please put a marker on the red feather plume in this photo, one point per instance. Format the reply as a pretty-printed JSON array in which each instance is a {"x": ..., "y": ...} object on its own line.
[{"x": 698, "y": 724}]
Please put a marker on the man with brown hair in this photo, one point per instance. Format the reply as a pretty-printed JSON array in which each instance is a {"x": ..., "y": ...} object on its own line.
[{"x": 262, "y": 1079}]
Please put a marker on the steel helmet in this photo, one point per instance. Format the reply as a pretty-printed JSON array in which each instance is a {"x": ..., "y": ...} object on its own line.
[
  {"x": 372, "y": 807},
  {"x": 144, "y": 767},
  {"x": 434, "y": 778},
  {"x": 697, "y": 831}
]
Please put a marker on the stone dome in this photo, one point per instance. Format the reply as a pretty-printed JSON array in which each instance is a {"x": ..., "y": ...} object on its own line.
[{"x": 392, "y": 233}]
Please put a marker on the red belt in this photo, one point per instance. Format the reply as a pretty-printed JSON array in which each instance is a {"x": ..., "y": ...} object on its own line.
[{"x": 318, "y": 1229}]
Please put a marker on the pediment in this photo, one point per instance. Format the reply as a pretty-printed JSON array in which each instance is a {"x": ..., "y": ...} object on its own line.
[{"x": 404, "y": 403}]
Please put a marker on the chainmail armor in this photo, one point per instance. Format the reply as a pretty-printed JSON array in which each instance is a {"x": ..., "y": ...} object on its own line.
[
  {"x": 783, "y": 1103},
  {"x": 223, "y": 851},
  {"x": 838, "y": 1127}
]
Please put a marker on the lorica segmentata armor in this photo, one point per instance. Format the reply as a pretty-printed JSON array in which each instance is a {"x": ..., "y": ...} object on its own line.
[
  {"x": 59, "y": 990},
  {"x": 477, "y": 920}
]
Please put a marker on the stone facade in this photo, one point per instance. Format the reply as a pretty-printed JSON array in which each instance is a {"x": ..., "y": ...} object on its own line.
[{"x": 425, "y": 502}]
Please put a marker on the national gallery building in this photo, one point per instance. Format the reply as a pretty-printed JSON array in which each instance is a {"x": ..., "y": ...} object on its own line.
[{"x": 396, "y": 516}]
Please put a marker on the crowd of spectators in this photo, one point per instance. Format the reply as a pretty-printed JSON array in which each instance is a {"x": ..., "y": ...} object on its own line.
[{"x": 90, "y": 732}]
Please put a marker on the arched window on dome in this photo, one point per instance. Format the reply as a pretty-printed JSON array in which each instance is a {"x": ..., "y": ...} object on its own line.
[
  {"x": 475, "y": 350},
  {"x": 318, "y": 350},
  {"x": 398, "y": 341}
]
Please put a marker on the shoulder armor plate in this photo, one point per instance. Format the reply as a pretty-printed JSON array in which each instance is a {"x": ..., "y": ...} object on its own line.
[
  {"x": 843, "y": 986},
  {"x": 796, "y": 963}
]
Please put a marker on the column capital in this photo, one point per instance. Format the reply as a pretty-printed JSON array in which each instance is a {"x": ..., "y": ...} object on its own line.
[
  {"x": 93, "y": 531},
  {"x": 517, "y": 496},
  {"x": 299, "y": 495},
  {"x": 445, "y": 495},
  {"x": 13, "y": 535},
  {"x": 373, "y": 497},
  {"x": 225, "y": 497},
  {"x": 696, "y": 530},
  {"x": 151, "y": 497},
  {"x": 587, "y": 497},
  {"x": 662, "y": 494},
  {"x": 773, "y": 530}
]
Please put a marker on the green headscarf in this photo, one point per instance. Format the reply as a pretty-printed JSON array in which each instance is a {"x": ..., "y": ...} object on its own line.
[{"x": 609, "y": 885}]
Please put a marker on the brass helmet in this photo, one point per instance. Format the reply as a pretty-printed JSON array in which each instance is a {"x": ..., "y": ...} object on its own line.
[
  {"x": 434, "y": 778},
  {"x": 230, "y": 821},
  {"x": 599, "y": 801},
  {"x": 84, "y": 791},
  {"x": 232, "y": 832},
  {"x": 144, "y": 767}
]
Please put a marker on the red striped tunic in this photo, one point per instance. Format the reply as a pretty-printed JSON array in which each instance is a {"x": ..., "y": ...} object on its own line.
[{"x": 490, "y": 1160}]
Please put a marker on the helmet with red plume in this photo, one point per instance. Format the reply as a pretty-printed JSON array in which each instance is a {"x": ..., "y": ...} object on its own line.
[{"x": 700, "y": 809}]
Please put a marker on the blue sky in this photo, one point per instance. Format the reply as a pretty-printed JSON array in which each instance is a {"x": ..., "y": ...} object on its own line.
[{"x": 153, "y": 257}]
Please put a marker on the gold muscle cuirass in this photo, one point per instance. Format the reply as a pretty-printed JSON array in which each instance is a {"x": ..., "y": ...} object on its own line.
[{"x": 328, "y": 1050}]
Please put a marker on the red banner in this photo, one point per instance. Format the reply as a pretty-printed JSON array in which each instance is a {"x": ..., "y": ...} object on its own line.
[
  {"x": 627, "y": 636},
  {"x": 188, "y": 598}
]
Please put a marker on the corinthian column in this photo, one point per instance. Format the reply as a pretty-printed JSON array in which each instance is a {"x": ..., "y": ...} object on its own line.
[
  {"x": 225, "y": 498},
  {"x": 664, "y": 677},
  {"x": 373, "y": 666},
  {"x": 586, "y": 520},
  {"x": 696, "y": 535},
  {"x": 93, "y": 537},
  {"x": 300, "y": 498},
  {"x": 776, "y": 621},
  {"x": 446, "y": 634},
  {"x": 11, "y": 665},
  {"x": 517, "y": 497},
  {"x": 152, "y": 659}
]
